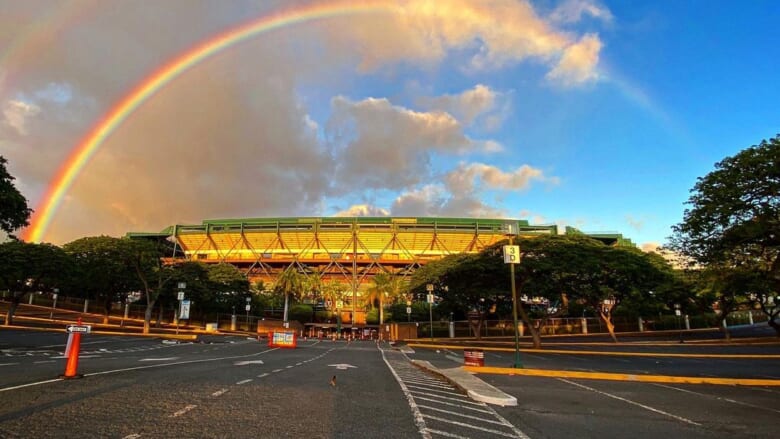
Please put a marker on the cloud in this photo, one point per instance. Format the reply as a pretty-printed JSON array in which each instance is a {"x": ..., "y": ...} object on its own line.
[
  {"x": 466, "y": 106},
  {"x": 467, "y": 177},
  {"x": 383, "y": 146},
  {"x": 571, "y": 11},
  {"x": 424, "y": 32},
  {"x": 578, "y": 63},
  {"x": 363, "y": 210},
  {"x": 634, "y": 223},
  {"x": 16, "y": 113},
  {"x": 650, "y": 247},
  {"x": 237, "y": 135}
]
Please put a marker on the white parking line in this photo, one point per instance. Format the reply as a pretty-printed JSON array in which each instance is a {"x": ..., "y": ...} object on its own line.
[
  {"x": 462, "y": 424},
  {"x": 219, "y": 392},
  {"x": 719, "y": 398},
  {"x": 646, "y": 407},
  {"x": 184, "y": 410},
  {"x": 450, "y": 412}
]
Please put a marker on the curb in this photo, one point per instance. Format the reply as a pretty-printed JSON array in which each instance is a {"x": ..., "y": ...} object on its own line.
[
  {"x": 474, "y": 387},
  {"x": 624, "y": 377}
]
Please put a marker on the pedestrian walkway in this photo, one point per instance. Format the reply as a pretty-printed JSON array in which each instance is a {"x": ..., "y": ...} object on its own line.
[{"x": 441, "y": 409}]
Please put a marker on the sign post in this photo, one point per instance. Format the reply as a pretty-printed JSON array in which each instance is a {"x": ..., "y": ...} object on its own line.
[
  {"x": 512, "y": 257},
  {"x": 180, "y": 298},
  {"x": 429, "y": 288}
]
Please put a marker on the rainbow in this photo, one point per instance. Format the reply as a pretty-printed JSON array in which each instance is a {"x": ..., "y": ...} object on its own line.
[{"x": 86, "y": 149}]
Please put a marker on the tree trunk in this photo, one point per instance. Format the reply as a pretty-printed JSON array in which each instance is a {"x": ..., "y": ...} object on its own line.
[
  {"x": 286, "y": 304},
  {"x": 148, "y": 317},
  {"x": 537, "y": 339},
  {"x": 158, "y": 323},
  {"x": 9, "y": 315},
  {"x": 106, "y": 310},
  {"x": 610, "y": 326}
]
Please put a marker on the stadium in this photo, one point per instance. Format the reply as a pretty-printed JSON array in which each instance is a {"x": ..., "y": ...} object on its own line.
[{"x": 348, "y": 250}]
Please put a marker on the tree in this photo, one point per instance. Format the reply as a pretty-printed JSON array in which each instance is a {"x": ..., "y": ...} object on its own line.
[
  {"x": 734, "y": 223},
  {"x": 290, "y": 283},
  {"x": 588, "y": 272},
  {"x": 102, "y": 263},
  {"x": 14, "y": 212},
  {"x": 28, "y": 268},
  {"x": 145, "y": 257},
  {"x": 386, "y": 287}
]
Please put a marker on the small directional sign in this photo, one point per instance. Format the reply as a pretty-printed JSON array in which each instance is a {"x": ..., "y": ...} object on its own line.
[
  {"x": 342, "y": 366},
  {"x": 84, "y": 329},
  {"x": 511, "y": 254}
]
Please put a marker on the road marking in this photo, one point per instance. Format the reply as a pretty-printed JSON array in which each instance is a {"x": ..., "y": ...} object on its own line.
[
  {"x": 462, "y": 401},
  {"x": 44, "y": 361},
  {"x": 30, "y": 384},
  {"x": 289, "y": 367},
  {"x": 720, "y": 398},
  {"x": 592, "y": 375},
  {"x": 609, "y": 353},
  {"x": 342, "y": 366},
  {"x": 298, "y": 364},
  {"x": 159, "y": 359},
  {"x": 426, "y": 383},
  {"x": 450, "y": 412},
  {"x": 263, "y": 375},
  {"x": 419, "y": 421},
  {"x": 219, "y": 392},
  {"x": 646, "y": 407},
  {"x": 132, "y": 436},
  {"x": 244, "y": 381},
  {"x": 183, "y": 411},
  {"x": 277, "y": 370},
  {"x": 8, "y": 364},
  {"x": 461, "y": 424},
  {"x": 434, "y": 390},
  {"x": 439, "y": 401},
  {"x": 444, "y": 433},
  {"x": 244, "y": 363}
]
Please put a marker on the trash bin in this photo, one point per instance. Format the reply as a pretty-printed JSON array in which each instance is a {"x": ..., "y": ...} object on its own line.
[{"x": 473, "y": 357}]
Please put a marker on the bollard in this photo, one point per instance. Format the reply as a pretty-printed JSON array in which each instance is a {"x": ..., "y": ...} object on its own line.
[{"x": 687, "y": 323}]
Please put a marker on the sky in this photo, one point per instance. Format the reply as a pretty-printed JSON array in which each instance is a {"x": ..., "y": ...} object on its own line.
[{"x": 598, "y": 115}]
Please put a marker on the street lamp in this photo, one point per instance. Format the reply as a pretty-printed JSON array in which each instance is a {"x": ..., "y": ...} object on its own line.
[{"x": 677, "y": 313}]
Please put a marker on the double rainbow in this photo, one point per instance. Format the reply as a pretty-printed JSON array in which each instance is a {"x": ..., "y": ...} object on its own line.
[{"x": 86, "y": 149}]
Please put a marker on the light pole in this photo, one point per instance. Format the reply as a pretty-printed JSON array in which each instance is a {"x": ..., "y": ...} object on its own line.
[
  {"x": 677, "y": 313},
  {"x": 429, "y": 288},
  {"x": 54, "y": 305},
  {"x": 248, "y": 307}
]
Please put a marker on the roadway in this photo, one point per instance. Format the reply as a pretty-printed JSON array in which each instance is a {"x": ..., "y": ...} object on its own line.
[{"x": 236, "y": 387}]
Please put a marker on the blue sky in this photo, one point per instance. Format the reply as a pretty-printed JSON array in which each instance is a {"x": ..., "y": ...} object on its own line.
[{"x": 594, "y": 114}]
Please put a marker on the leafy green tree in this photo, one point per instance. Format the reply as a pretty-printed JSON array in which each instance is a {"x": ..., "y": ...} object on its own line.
[
  {"x": 733, "y": 224},
  {"x": 103, "y": 267},
  {"x": 14, "y": 212},
  {"x": 587, "y": 271},
  {"x": 229, "y": 287},
  {"x": 145, "y": 258},
  {"x": 28, "y": 268}
]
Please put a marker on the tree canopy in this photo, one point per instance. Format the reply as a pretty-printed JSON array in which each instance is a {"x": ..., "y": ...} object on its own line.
[
  {"x": 14, "y": 212},
  {"x": 734, "y": 223}
]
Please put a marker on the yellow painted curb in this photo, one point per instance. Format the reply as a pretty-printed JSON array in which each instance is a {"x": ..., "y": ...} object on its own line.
[
  {"x": 607, "y": 353},
  {"x": 623, "y": 377}
]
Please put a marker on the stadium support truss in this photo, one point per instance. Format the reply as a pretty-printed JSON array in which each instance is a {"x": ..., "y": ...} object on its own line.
[{"x": 345, "y": 249}]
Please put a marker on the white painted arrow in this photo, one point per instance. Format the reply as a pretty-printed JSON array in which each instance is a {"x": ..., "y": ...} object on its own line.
[
  {"x": 342, "y": 366},
  {"x": 244, "y": 363}
]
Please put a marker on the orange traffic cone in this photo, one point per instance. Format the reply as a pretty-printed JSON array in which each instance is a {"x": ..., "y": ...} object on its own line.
[{"x": 72, "y": 365}]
